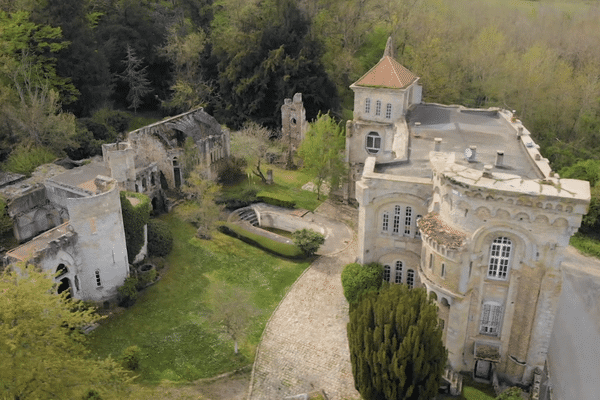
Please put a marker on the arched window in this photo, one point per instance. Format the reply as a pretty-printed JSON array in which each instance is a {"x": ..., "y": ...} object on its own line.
[
  {"x": 491, "y": 318},
  {"x": 396, "y": 227},
  {"x": 385, "y": 223},
  {"x": 373, "y": 143},
  {"x": 398, "y": 277},
  {"x": 61, "y": 270},
  {"x": 388, "y": 111},
  {"x": 367, "y": 106},
  {"x": 499, "y": 258},
  {"x": 386, "y": 273},
  {"x": 407, "y": 220},
  {"x": 410, "y": 278},
  {"x": 378, "y": 107}
]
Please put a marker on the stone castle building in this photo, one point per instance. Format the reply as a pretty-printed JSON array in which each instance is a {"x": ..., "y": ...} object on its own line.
[
  {"x": 460, "y": 201},
  {"x": 69, "y": 221}
]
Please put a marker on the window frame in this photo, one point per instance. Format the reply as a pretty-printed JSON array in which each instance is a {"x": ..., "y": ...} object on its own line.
[
  {"x": 407, "y": 220},
  {"x": 410, "y": 278},
  {"x": 398, "y": 272},
  {"x": 375, "y": 146},
  {"x": 367, "y": 105},
  {"x": 385, "y": 221},
  {"x": 378, "y": 107},
  {"x": 387, "y": 272},
  {"x": 98, "y": 279},
  {"x": 501, "y": 250},
  {"x": 397, "y": 215},
  {"x": 388, "y": 111},
  {"x": 490, "y": 322}
]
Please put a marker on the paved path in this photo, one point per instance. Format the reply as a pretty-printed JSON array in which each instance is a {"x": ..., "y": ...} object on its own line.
[
  {"x": 304, "y": 346},
  {"x": 574, "y": 354}
]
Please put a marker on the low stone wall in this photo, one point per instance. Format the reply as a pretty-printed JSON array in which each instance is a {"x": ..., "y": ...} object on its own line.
[{"x": 285, "y": 221}]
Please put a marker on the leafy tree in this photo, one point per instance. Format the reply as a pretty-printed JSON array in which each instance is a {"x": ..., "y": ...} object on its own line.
[
  {"x": 359, "y": 279},
  {"x": 128, "y": 292},
  {"x": 253, "y": 141},
  {"x": 396, "y": 345},
  {"x": 42, "y": 347},
  {"x": 136, "y": 79},
  {"x": 308, "y": 240},
  {"x": 203, "y": 212},
  {"x": 233, "y": 310},
  {"x": 322, "y": 152},
  {"x": 131, "y": 357}
]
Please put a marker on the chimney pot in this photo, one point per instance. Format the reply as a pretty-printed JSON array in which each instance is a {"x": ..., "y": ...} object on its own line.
[
  {"x": 473, "y": 156},
  {"x": 487, "y": 171},
  {"x": 499, "y": 157},
  {"x": 438, "y": 144}
]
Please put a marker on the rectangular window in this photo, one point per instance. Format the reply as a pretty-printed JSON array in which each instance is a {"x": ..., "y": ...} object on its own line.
[
  {"x": 378, "y": 108},
  {"x": 396, "y": 227},
  {"x": 491, "y": 317},
  {"x": 407, "y": 220},
  {"x": 98, "y": 281},
  {"x": 367, "y": 106},
  {"x": 410, "y": 278},
  {"x": 398, "y": 277},
  {"x": 385, "y": 222},
  {"x": 388, "y": 111}
]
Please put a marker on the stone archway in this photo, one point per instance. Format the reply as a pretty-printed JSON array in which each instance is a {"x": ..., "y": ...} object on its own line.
[{"x": 64, "y": 285}]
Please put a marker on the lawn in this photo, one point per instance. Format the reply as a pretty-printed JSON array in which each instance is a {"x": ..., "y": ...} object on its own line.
[
  {"x": 170, "y": 321},
  {"x": 284, "y": 181}
]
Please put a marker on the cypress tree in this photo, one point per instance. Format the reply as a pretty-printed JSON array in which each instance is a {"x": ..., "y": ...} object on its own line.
[{"x": 396, "y": 345}]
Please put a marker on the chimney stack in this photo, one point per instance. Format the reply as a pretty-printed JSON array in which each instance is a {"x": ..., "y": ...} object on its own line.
[
  {"x": 438, "y": 144},
  {"x": 499, "y": 157}
]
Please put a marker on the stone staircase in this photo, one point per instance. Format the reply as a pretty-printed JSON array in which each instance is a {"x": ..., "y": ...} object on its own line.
[{"x": 246, "y": 214}]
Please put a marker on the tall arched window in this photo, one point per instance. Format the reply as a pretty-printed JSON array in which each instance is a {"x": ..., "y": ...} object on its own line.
[
  {"x": 499, "y": 258},
  {"x": 491, "y": 318},
  {"x": 378, "y": 107},
  {"x": 398, "y": 276},
  {"x": 367, "y": 106},
  {"x": 410, "y": 278},
  {"x": 388, "y": 111},
  {"x": 396, "y": 227},
  {"x": 407, "y": 220},
  {"x": 387, "y": 272},
  {"x": 385, "y": 223},
  {"x": 373, "y": 143}
]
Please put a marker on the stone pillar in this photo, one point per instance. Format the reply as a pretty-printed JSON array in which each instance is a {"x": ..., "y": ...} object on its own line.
[{"x": 269, "y": 177}]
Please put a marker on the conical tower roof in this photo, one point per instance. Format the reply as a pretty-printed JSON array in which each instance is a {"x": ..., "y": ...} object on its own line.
[{"x": 387, "y": 73}]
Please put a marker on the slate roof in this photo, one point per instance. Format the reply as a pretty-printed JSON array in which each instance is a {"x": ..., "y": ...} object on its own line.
[{"x": 387, "y": 73}]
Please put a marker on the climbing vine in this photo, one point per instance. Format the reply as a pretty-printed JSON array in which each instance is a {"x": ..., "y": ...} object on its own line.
[{"x": 134, "y": 219}]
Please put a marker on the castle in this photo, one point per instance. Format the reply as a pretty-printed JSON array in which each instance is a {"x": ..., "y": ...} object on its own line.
[
  {"x": 461, "y": 202},
  {"x": 69, "y": 221}
]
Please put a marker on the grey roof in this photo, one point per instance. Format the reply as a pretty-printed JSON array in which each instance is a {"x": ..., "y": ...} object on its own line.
[{"x": 460, "y": 128}]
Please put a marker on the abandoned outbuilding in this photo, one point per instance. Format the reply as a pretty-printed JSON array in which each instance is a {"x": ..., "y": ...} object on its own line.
[{"x": 69, "y": 221}]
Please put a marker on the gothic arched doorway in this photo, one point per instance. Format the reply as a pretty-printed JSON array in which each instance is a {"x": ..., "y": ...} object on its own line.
[{"x": 64, "y": 286}]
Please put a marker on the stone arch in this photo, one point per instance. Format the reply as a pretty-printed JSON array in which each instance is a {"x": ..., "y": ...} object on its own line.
[
  {"x": 444, "y": 302},
  {"x": 61, "y": 270},
  {"x": 548, "y": 206},
  {"x": 559, "y": 207},
  {"x": 502, "y": 214},
  {"x": 569, "y": 208},
  {"x": 522, "y": 241},
  {"x": 560, "y": 223},
  {"x": 478, "y": 196},
  {"x": 539, "y": 204},
  {"x": 522, "y": 217},
  {"x": 542, "y": 219},
  {"x": 510, "y": 201},
  {"x": 64, "y": 285},
  {"x": 483, "y": 213}
]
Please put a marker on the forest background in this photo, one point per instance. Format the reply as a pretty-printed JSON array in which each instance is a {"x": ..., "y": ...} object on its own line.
[{"x": 70, "y": 69}]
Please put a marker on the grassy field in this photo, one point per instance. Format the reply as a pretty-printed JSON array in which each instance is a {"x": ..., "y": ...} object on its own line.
[{"x": 170, "y": 321}]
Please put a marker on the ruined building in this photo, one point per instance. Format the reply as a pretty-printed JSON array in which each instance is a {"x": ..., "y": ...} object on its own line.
[
  {"x": 69, "y": 221},
  {"x": 461, "y": 202}
]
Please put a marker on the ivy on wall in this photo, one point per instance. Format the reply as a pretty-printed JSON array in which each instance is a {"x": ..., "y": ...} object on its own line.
[{"x": 134, "y": 219}]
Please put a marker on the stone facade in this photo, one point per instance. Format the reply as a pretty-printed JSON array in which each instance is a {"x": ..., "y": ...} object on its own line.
[
  {"x": 70, "y": 221},
  {"x": 293, "y": 121},
  {"x": 461, "y": 202}
]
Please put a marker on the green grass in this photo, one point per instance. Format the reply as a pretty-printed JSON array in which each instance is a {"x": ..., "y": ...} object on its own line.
[
  {"x": 169, "y": 322},
  {"x": 586, "y": 244},
  {"x": 285, "y": 182}
]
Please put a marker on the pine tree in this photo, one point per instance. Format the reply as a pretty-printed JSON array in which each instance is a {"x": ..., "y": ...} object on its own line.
[
  {"x": 136, "y": 79},
  {"x": 396, "y": 345}
]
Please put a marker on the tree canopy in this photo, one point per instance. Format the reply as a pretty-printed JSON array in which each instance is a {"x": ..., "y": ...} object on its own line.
[
  {"x": 42, "y": 347},
  {"x": 396, "y": 345}
]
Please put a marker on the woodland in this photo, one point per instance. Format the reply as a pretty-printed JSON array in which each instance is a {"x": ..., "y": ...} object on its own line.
[{"x": 73, "y": 72}]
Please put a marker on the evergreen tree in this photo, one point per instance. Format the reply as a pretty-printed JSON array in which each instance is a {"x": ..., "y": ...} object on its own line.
[
  {"x": 396, "y": 345},
  {"x": 136, "y": 79}
]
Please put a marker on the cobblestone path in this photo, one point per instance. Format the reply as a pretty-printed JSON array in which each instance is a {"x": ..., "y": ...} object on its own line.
[{"x": 304, "y": 346}]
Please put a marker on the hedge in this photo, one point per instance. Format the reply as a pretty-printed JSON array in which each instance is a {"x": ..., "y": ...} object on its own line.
[
  {"x": 273, "y": 246},
  {"x": 134, "y": 219},
  {"x": 276, "y": 199},
  {"x": 160, "y": 238}
]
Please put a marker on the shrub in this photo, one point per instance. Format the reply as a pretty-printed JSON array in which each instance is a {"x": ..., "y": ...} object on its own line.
[
  {"x": 282, "y": 249},
  {"x": 131, "y": 357},
  {"x": 25, "y": 159},
  {"x": 276, "y": 199},
  {"x": 160, "y": 238},
  {"x": 134, "y": 219},
  {"x": 239, "y": 199},
  {"x": 128, "y": 292},
  {"x": 145, "y": 278},
  {"x": 308, "y": 240},
  {"x": 6, "y": 223},
  {"x": 359, "y": 279},
  {"x": 231, "y": 170}
]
